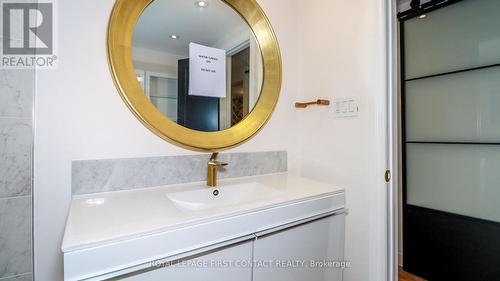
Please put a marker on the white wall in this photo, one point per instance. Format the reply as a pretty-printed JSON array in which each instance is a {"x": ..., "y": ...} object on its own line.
[
  {"x": 238, "y": 35},
  {"x": 153, "y": 56},
  {"x": 335, "y": 48},
  {"x": 155, "y": 61},
  {"x": 342, "y": 54}
]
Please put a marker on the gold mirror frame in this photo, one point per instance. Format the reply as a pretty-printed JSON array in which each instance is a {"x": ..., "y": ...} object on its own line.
[{"x": 121, "y": 27}]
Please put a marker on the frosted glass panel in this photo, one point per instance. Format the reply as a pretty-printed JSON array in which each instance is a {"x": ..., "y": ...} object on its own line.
[
  {"x": 461, "y": 107},
  {"x": 163, "y": 94},
  {"x": 163, "y": 87},
  {"x": 167, "y": 106},
  {"x": 463, "y": 35},
  {"x": 461, "y": 179}
]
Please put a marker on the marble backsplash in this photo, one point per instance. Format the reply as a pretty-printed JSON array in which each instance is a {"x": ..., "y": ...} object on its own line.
[{"x": 91, "y": 176}]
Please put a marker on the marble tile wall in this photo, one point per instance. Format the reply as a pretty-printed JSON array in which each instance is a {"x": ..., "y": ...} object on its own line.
[
  {"x": 92, "y": 176},
  {"x": 15, "y": 236},
  {"x": 21, "y": 277},
  {"x": 16, "y": 141}
]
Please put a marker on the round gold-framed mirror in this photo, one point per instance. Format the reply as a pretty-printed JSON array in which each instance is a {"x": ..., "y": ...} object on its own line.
[{"x": 123, "y": 22}]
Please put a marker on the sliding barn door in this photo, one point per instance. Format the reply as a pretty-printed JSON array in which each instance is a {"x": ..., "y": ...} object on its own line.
[{"x": 451, "y": 142}]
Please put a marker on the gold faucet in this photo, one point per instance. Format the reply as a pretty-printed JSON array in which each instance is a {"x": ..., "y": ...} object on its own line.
[{"x": 213, "y": 166}]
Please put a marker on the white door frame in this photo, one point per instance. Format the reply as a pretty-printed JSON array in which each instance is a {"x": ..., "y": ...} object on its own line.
[{"x": 392, "y": 139}]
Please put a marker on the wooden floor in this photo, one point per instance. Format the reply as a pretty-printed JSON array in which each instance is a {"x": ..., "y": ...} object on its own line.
[{"x": 403, "y": 276}]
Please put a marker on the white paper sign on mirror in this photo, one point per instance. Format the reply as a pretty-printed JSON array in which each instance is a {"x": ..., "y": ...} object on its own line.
[{"x": 207, "y": 71}]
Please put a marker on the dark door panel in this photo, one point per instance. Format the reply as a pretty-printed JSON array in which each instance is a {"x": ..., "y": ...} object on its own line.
[
  {"x": 195, "y": 112},
  {"x": 445, "y": 246}
]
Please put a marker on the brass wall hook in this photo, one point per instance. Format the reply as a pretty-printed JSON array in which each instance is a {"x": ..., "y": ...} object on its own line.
[{"x": 306, "y": 104}]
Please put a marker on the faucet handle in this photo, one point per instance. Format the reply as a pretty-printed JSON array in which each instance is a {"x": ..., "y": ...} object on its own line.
[
  {"x": 217, "y": 163},
  {"x": 214, "y": 156},
  {"x": 214, "y": 162}
]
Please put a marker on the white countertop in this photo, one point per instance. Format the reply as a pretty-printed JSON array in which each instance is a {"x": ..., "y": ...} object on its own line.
[{"x": 102, "y": 218}]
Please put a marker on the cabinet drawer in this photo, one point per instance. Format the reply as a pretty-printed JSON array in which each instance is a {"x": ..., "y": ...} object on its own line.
[
  {"x": 222, "y": 264},
  {"x": 307, "y": 252}
]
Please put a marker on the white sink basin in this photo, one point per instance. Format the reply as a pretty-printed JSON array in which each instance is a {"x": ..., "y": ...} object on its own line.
[{"x": 205, "y": 199}]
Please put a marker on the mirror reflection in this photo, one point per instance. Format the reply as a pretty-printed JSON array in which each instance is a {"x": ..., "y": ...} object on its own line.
[{"x": 198, "y": 62}]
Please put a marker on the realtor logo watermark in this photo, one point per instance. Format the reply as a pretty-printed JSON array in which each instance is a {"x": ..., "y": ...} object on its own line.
[{"x": 28, "y": 34}]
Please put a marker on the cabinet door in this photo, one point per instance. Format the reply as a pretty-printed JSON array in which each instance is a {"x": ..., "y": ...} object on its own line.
[
  {"x": 225, "y": 264},
  {"x": 307, "y": 252}
]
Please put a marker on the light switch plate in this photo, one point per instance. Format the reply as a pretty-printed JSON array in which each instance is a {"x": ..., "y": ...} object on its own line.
[{"x": 345, "y": 107}]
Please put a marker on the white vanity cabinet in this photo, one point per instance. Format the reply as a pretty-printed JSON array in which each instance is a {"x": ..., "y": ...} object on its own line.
[
  {"x": 284, "y": 227},
  {"x": 307, "y": 252}
]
